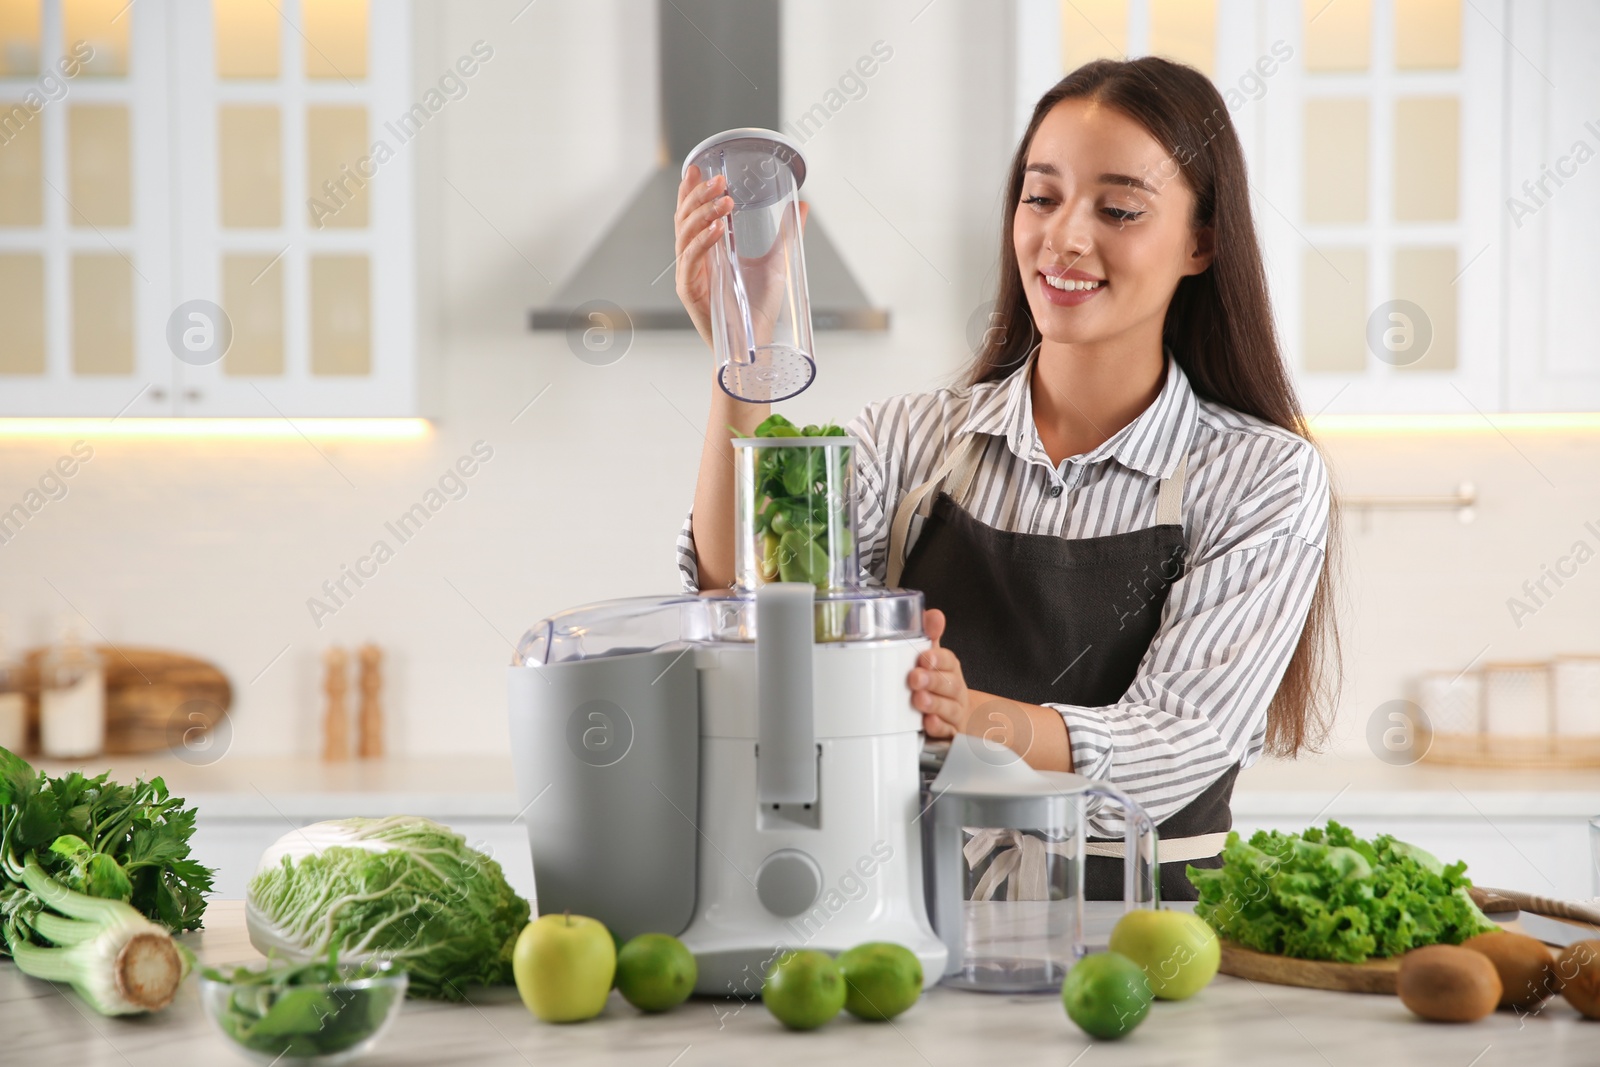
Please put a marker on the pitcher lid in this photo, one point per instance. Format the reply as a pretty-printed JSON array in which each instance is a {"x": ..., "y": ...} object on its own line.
[{"x": 976, "y": 766}]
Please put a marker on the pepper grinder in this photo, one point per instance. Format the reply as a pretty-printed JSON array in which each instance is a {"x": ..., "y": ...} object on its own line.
[
  {"x": 336, "y": 720},
  {"x": 369, "y": 720}
]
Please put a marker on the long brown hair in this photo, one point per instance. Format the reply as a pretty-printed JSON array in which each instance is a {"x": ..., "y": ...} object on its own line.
[{"x": 1219, "y": 324}]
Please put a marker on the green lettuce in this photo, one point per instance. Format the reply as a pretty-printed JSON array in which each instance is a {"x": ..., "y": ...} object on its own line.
[
  {"x": 403, "y": 889},
  {"x": 1327, "y": 894}
]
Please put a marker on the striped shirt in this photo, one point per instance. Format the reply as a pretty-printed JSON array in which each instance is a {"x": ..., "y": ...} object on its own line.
[{"x": 1255, "y": 515}]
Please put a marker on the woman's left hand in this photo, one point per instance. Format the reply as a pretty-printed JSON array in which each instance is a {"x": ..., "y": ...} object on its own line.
[
  {"x": 948, "y": 707},
  {"x": 937, "y": 688}
]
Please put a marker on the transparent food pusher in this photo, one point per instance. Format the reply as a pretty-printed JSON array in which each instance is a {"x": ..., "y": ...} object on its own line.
[
  {"x": 760, "y": 307},
  {"x": 739, "y": 769}
]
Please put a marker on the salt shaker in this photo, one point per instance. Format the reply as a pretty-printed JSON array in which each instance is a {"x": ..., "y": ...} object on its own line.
[{"x": 72, "y": 700}]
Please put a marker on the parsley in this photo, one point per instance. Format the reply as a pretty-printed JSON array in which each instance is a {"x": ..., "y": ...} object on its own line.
[{"x": 103, "y": 839}]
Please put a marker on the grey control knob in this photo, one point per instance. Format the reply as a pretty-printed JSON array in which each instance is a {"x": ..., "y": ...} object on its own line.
[{"x": 788, "y": 882}]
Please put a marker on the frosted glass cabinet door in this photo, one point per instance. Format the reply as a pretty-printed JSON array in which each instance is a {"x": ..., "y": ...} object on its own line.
[
  {"x": 85, "y": 220},
  {"x": 1373, "y": 135},
  {"x": 288, "y": 227},
  {"x": 197, "y": 227},
  {"x": 1554, "y": 206}
]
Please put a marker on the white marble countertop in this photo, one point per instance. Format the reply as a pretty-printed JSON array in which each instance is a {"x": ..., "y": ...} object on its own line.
[
  {"x": 1232, "y": 1023},
  {"x": 469, "y": 786}
]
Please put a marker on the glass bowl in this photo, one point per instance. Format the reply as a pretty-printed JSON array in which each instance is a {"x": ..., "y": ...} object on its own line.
[{"x": 315, "y": 1022}]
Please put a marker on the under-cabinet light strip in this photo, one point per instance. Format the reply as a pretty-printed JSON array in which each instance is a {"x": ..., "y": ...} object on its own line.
[{"x": 370, "y": 429}]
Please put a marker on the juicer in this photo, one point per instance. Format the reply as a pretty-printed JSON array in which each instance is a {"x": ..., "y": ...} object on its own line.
[{"x": 739, "y": 769}]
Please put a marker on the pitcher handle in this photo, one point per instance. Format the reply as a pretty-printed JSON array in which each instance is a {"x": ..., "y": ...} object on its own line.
[{"x": 1136, "y": 826}]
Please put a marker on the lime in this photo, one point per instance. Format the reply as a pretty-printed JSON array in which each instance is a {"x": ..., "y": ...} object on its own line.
[
  {"x": 655, "y": 972},
  {"x": 804, "y": 989},
  {"x": 881, "y": 979},
  {"x": 1106, "y": 994}
]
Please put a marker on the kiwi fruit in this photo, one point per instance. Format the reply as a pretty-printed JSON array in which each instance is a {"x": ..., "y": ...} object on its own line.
[
  {"x": 1527, "y": 969},
  {"x": 1578, "y": 967},
  {"x": 1448, "y": 983}
]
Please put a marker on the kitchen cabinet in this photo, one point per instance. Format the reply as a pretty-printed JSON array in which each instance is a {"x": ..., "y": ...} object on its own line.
[
  {"x": 244, "y": 804},
  {"x": 1551, "y": 216},
  {"x": 1422, "y": 182},
  {"x": 1515, "y": 829},
  {"x": 204, "y": 178},
  {"x": 232, "y": 845},
  {"x": 1525, "y": 830},
  {"x": 1549, "y": 857}
]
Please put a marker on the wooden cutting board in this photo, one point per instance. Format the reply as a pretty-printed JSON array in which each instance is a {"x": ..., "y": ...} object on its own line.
[
  {"x": 155, "y": 700},
  {"x": 1381, "y": 975},
  {"x": 1373, "y": 976}
]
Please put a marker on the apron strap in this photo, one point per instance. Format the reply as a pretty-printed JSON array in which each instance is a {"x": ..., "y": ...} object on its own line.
[
  {"x": 1169, "y": 502},
  {"x": 1173, "y": 850},
  {"x": 960, "y": 465}
]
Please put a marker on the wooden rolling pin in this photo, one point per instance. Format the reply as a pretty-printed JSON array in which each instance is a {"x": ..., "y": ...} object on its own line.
[{"x": 1495, "y": 901}]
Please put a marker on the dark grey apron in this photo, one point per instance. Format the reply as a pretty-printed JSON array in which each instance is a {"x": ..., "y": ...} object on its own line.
[{"x": 1046, "y": 619}]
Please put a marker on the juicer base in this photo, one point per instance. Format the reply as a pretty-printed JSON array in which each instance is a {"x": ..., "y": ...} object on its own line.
[{"x": 738, "y": 971}]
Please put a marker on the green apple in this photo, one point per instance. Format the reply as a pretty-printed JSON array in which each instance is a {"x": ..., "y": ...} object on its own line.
[
  {"x": 563, "y": 965},
  {"x": 1177, "y": 950}
]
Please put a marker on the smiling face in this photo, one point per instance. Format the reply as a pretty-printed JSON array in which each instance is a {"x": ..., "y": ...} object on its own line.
[{"x": 1105, "y": 213}]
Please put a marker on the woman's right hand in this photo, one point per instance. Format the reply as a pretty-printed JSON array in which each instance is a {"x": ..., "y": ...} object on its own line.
[{"x": 700, "y": 221}]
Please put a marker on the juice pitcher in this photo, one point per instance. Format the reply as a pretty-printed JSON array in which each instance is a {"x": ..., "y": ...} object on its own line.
[
  {"x": 1006, "y": 847},
  {"x": 760, "y": 310}
]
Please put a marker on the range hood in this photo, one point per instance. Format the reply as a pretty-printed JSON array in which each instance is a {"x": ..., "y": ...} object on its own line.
[{"x": 711, "y": 51}]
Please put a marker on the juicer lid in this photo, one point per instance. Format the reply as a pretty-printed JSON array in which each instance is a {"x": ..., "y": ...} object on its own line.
[
  {"x": 753, "y": 140},
  {"x": 647, "y": 624}
]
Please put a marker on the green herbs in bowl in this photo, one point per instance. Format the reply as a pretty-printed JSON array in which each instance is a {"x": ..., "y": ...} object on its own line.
[{"x": 320, "y": 1012}]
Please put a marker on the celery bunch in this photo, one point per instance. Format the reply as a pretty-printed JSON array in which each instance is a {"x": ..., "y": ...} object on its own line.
[{"x": 94, "y": 877}]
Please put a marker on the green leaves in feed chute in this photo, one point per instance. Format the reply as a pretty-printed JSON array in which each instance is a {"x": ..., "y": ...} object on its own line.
[{"x": 797, "y": 510}]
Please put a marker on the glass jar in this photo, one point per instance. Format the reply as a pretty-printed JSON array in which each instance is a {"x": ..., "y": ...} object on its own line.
[
  {"x": 795, "y": 511},
  {"x": 72, "y": 700},
  {"x": 13, "y": 701}
]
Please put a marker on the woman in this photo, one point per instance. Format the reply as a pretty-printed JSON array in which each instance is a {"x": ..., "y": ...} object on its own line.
[{"x": 1118, "y": 521}]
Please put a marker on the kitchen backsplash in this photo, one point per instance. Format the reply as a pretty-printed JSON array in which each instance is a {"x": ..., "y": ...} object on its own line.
[{"x": 227, "y": 552}]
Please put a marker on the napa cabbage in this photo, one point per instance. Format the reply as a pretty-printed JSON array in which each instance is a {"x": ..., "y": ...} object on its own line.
[{"x": 402, "y": 888}]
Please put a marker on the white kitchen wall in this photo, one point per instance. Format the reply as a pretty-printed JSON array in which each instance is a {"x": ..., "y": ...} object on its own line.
[{"x": 215, "y": 549}]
